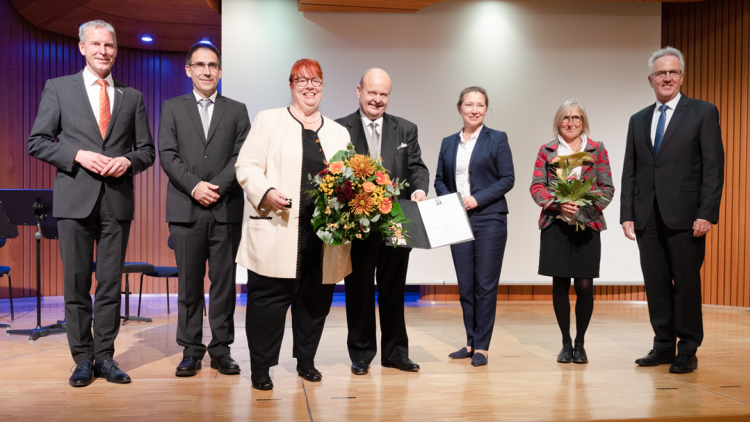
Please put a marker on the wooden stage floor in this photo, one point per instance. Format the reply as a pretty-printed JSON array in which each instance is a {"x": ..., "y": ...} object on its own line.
[{"x": 521, "y": 383}]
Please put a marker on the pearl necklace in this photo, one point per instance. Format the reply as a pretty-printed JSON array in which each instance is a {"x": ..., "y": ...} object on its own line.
[{"x": 297, "y": 114}]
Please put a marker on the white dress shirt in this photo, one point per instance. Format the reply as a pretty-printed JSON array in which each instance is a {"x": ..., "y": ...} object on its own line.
[
  {"x": 199, "y": 97},
  {"x": 463, "y": 157},
  {"x": 93, "y": 88},
  {"x": 670, "y": 110},
  {"x": 368, "y": 134}
]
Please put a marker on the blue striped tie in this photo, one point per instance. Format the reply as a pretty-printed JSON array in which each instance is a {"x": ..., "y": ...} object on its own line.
[{"x": 660, "y": 127}]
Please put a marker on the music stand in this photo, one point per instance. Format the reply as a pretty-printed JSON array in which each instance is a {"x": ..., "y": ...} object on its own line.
[
  {"x": 30, "y": 207},
  {"x": 7, "y": 231}
]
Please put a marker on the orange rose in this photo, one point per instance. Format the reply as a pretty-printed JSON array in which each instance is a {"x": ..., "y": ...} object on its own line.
[
  {"x": 336, "y": 167},
  {"x": 368, "y": 187},
  {"x": 386, "y": 206},
  {"x": 381, "y": 178}
]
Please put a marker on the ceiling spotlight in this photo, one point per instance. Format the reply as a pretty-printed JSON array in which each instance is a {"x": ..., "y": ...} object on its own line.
[
  {"x": 147, "y": 38},
  {"x": 205, "y": 40}
]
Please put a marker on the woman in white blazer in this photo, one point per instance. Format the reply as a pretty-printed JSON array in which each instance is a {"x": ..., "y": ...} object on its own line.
[{"x": 287, "y": 263}]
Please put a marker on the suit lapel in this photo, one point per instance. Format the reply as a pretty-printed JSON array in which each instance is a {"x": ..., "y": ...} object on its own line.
[
  {"x": 452, "y": 159},
  {"x": 83, "y": 98},
  {"x": 191, "y": 104},
  {"x": 118, "y": 98},
  {"x": 388, "y": 140},
  {"x": 219, "y": 107},
  {"x": 647, "y": 120},
  {"x": 677, "y": 115},
  {"x": 481, "y": 141}
]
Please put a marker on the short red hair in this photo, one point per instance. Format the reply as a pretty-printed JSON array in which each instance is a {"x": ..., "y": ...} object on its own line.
[{"x": 305, "y": 68}]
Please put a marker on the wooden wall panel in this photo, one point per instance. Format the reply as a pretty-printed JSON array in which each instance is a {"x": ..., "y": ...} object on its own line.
[
  {"x": 31, "y": 56},
  {"x": 714, "y": 36}
]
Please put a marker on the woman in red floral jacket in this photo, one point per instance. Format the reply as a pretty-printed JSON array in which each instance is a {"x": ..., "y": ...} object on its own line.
[{"x": 565, "y": 252}]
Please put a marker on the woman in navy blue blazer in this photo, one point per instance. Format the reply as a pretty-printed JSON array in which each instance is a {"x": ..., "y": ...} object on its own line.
[{"x": 477, "y": 163}]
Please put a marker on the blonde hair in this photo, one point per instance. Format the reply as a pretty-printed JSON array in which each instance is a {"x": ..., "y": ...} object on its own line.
[{"x": 565, "y": 110}]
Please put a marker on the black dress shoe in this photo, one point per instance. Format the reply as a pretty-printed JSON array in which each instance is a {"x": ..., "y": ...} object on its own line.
[
  {"x": 579, "y": 354},
  {"x": 566, "y": 354},
  {"x": 225, "y": 364},
  {"x": 188, "y": 367},
  {"x": 360, "y": 368},
  {"x": 108, "y": 369},
  {"x": 312, "y": 375},
  {"x": 260, "y": 379},
  {"x": 83, "y": 375},
  {"x": 684, "y": 364},
  {"x": 462, "y": 354},
  {"x": 404, "y": 364},
  {"x": 656, "y": 357}
]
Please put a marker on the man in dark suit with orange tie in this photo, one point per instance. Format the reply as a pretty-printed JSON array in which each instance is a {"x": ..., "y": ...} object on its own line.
[
  {"x": 672, "y": 183},
  {"x": 200, "y": 136},
  {"x": 103, "y": 140}
]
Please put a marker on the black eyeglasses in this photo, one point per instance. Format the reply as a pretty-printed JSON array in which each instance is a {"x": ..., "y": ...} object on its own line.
[
  {"x": 303, "y": 81},
  {"x": 199, "y": 66}
]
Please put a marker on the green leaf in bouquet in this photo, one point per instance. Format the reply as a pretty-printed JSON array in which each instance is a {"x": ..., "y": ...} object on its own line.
[
  {"x": 340, "y": 156},
  {"x": 375, "y": 219},
  {"x": 350, "y": 147},
  {"x": 327, "y": 237}
]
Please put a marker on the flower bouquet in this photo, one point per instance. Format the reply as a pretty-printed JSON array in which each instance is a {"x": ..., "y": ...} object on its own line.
[
  {"x": 569, "y": 187},
  {"x": 353, "y": 197}
]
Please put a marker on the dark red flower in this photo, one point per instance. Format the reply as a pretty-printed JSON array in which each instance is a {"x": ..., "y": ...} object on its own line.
[
  {"x": 338, "y": 189},
  {"x": 341, "y": 198},
  {"x": 323, "y": 172}
]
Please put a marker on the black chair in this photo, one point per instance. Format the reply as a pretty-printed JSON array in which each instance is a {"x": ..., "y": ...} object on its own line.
[
  {"x": 132, "y": 268},
  {"x": 161, "y": 272},
  {"x": 6, "y": 271}
]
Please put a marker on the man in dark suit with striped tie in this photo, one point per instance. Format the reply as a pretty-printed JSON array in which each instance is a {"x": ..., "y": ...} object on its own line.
[
  {"x": 200, "y": 136},
  {"x": 672, "y": 182},
  {"x": 103, "y": 140}
]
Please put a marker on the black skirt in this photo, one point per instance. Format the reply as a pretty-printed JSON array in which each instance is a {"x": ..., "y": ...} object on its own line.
[{"x": 565, "y": 252}]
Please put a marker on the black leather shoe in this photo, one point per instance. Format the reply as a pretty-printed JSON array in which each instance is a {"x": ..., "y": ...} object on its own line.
[
  {"x": 684, "y": 364},
  {"x": 656, "y": 357},
  {"x": 225, "y": 364},
  {"x": 579, "y": 354},
  {"x": 566, "y": 354},
  {"x": 360, "y": 368},
  {"x": 109, "y": 370},
  {"x": 261, "y": 380},
  {"x": 461, "y": 354},
  {"x": 404, "y": 364},
  {"x": 188, "y": 367},
  {"x": 312, "y": 375},
  {"x": 83, "y": 375}
]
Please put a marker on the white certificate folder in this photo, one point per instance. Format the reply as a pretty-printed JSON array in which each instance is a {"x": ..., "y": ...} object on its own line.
[{"x": 436, "y": 222}]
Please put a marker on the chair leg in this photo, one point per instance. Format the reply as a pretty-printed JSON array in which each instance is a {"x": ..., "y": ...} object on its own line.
[
  {"x": 10, "y": 291},
  {"x": 167, "y": 295},
  {"x": 140, "y": 293}
]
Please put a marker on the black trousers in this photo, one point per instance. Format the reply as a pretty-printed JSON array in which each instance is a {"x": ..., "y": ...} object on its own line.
[
  {"x": 77, "y": 238},
  {"x": 268, "y": 300},
  {"x": 195, "y": 243},
  {"x": 671, "y": 261},
  {"x": 372, "y": 259},
  {"x": 478, "y": 264}
]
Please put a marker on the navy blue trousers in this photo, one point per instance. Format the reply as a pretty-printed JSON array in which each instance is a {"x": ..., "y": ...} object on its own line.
[{"x": 478, "y": 264}]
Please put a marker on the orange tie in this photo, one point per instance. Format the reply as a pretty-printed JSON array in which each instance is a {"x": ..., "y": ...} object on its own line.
[{"x": 104, "y": 112}]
